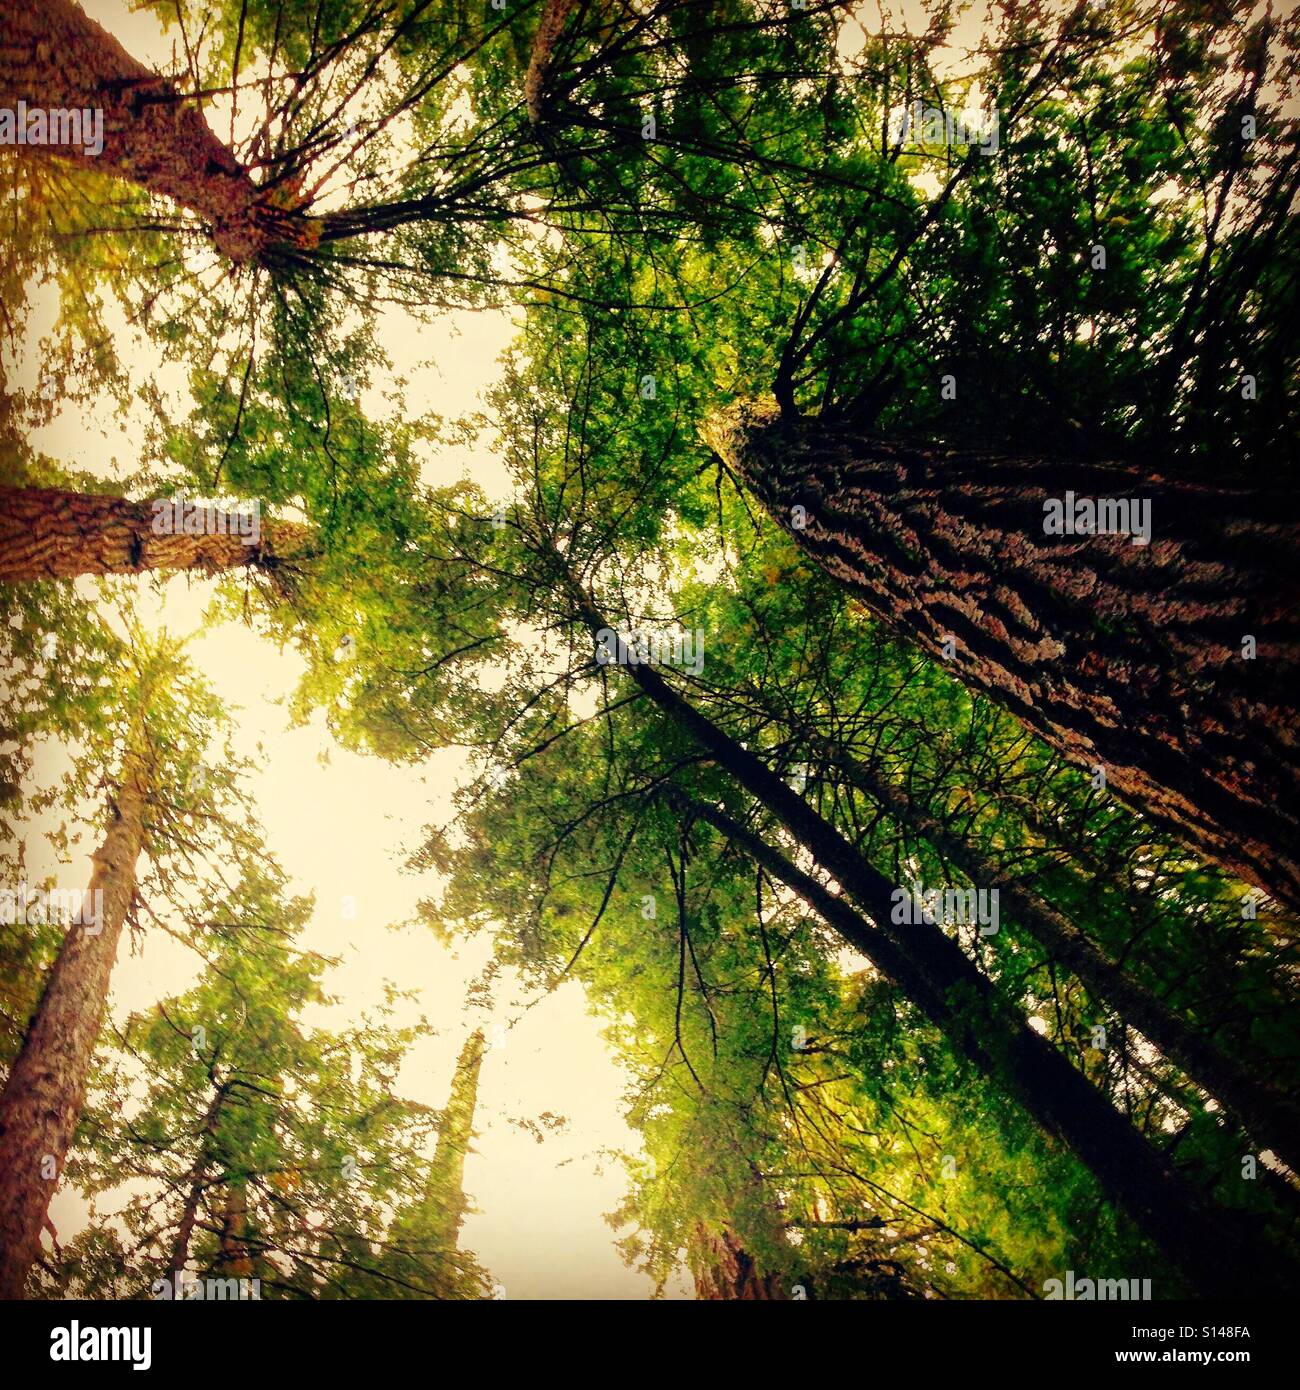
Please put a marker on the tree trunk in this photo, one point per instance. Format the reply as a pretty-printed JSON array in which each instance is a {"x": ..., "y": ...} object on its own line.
[
  {"x": 549, "y": 28},
  {"x": 43, "y": 1098},
  {"x": 198, "y": 1184},
  {"x": 723, "y": 1269},
  {"x": 1217, "y": 1258},
  {"x": 933, "y": 971},
  {"x": 1269, "y": 1115},
  {"x": 445, "y": 1186},
  {"x": 46, "y": 533},
  {"x": 53, "y": 56},
  {"x": 1125, "y": 655},
  {"x": 233, "y": 1259}
]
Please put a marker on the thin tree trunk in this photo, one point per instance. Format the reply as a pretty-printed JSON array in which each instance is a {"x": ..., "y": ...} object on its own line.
[
  {"x": 1217, "y": 1259},
  {"x": 1127, "y": 656},
  {"x": 939, "y": 978},
  {"x": 198, "y": 1184},
  {"x": 43, "y": 1098},
  {"x": 549, "y": 28},
  {"x": 47, "y": 533},
  {"x": 52, "y": 55},
  {"x": 1261, "y": 1110},
  {"x": 233, "y": 1259},
  {"x": 445, "y": 1187}
]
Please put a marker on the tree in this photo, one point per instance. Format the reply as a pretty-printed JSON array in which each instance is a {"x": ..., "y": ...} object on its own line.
[
  {"x": 420, "y": 1255},
  {"x": 723, "y": 1270},
  {"x": 262, "y": 1148},
  {"x": 57, "y": 57},
  {"x": 1047, "y": 294},
  {"x": 1167, "y": 665},
  {"x": 448, "y": 1170},
  {"x": 46, "y": 1086},
  {"x": 175, "y": 800},
  {"x": 46, "y": 533}
]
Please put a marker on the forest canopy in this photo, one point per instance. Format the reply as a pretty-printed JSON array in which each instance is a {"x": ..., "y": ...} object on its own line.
[{"x": 857, "y": 605}]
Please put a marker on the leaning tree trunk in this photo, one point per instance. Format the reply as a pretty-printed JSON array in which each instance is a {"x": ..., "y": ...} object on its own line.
[
  {"x": 1218, "y": 1257},
  {"x": 1172, "y": 665},
  {"x": 1260, "y": 1108},
  {"x": 445, "y": 1185},
  {"x": 53, "y": 56},
  {"x": 46, "y": 533},
  {"x": 549, "y": 28},
  {"x": 43, "y": 1098},
  {"x": 934, "y": 972}
]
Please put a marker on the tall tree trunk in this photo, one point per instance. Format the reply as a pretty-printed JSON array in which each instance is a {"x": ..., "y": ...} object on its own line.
[
  {"x": 1128, "y": 656},
  {"x": 549, "y": 28},
  {"x": 445, "y": 1188},
  {"x": 1262, "y": 1110},
  {"x": 52, "y": 55},
  {"x": 46, "y": 1090},
  {"x": 1216, "y": 1256},
  {"x": 47, "y": 533}
]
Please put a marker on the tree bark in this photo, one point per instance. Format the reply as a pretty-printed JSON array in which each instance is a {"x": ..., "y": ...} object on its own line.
[
  {"x": 52, "y": 55},
  {"x": 47, "y": 533},
  {"x": 725, "y": 1270},
  {"x": 1216, "y": 1255},
  {"x": 42, "y": 1101},
  {"x": 1128, "y": 656},
  {"x": 233, "y": 1259},
  {"x": 1262, "y": 1110},
  {"x": 549, "y": 28}
]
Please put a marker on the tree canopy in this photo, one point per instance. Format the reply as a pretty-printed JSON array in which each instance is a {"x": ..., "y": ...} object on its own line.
[{"x": 931, "y": 873}]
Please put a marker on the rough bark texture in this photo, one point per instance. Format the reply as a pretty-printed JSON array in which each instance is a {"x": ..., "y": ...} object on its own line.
[
  {"x": 725, "y": 1270},
  {"x": 1262, "y": 1110},
  {"x": 53, "y": 55},
  {"x": 46, "y": 533},
  {"x": 1128, "y": 656},
  {"x": 46, "y": 1090},
  {"x": 1218, "y": 1256}
]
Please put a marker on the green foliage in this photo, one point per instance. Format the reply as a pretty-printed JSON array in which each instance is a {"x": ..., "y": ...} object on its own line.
[{"x": 770, "y": 237}]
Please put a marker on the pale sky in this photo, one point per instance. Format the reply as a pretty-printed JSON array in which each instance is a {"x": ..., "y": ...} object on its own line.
[{"x": 342, "y": 829}]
